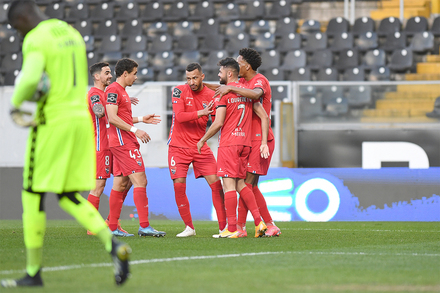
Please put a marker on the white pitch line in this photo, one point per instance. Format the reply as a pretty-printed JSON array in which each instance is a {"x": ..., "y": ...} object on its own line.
[
  {"x": 203, "y": 257},
  {"x": 359, "y": 230}
]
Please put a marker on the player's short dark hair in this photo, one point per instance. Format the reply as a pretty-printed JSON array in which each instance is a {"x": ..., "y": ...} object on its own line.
[
  {"x": 193, "y": 66},
  {"x": 125, "y": 64},
  {"x": 230, "y": 63},
  {"x": 19, "y": 6},
  {"x": 251, "y": 56},
  {"x": 97, "y": 67}
]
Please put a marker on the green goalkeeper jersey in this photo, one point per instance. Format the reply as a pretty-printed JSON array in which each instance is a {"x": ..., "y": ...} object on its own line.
[{"x": 56, "y": 48}]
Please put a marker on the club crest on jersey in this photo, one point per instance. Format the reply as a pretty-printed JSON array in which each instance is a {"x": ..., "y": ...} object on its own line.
[
  {"x": 176, "y": 93},
  {"x": 112, "y": 98},
  {"x": 173, "y": 170},
  {"x": 205, "y": 104},
  {"x": 139, "y": 162},
  {"x": 94, "y": 99},
  {"x": 107, "y": 170}
]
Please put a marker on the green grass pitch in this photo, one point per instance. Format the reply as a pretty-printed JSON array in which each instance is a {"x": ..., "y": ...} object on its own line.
[{"x": 307, "y": 257}]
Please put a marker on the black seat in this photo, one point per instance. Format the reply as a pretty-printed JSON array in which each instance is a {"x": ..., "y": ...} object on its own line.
[
  {"x": 381, "y": 73},
  {"x": 235, "y": 43},
  {"x": 212, "y": 42},
  {"x": 367, "y": 41},
  {"x": 310, "y": 26},
  {"x": 294, "y": 59},
  {"x": 363, "y": 25},
  {"x": 187, "y": 43},
  {"x": 253, "y": 10},
  {"x": 417, "y": 24},
  {"x": 389, "y": 25},
  {"x": 10, "y": 44},
  {"x": 11, "y": 61},
  {"x": 359, "y": 96},
  {"x": 374, "y": 58},
  {"x": 157, "y": 28},
  {"x": 310, "y": 106},
  {"x": 168, "y": 74},
  {"x": 331, "y": 92},
  {"x": 77, "y": 10},
  {"x": 160, "y": 43},
  {"x": 285, "y": 26},
  {"x": 204, "y": 10},
  {"x": 279, "y": 92},
  {"x": 183, "y": 28},
  {"x": 354, "y": 74},
  {"x": 394, "y": 41},
  {"x": 186, "y": 58},
  {"x": 289, "y": 42},
  {"x": 132, "y": 28},
  {"x": 178, "y": 11},
  {"x": 279, "y": 9},
  {"x": 435, "y": 28},
  {"x": 321, "y": 58},
  {"x": 401, "y": 60},
  {"x": 422, "y": 42},
  {"x": 336, "y": 107},
  {"x": 273, "y": 74},
  {"x": 235, "y": 27},
  {"x": 110, "y": 44},
  {"x": 337, "y": 26},
  {"x": 300, "y": 74},
  {"x": 163, "y": 60},
  {"x": 259, "y": 27},
  {"x": 347, "y": 58},
  {"x": 85, "y": 27},
  {"x": 327, "y": 74},
  {"x": 4, "y": 12},
  {"x": 90, "y": 43},
  {"x": 141, "y": 57},
  {"x": 227, "y": 12},
  {"x": 153, "y": 11},
  {"x": 342, "y": 41},
  {"x": 264, "y": 41},
  {"x": 135, "y": 43},
  {"x": 213, "y": 58},
  {"x": 128, "y": 10},
  {"x": 208, "y": 27},
  {"x": 55, "y": 10},
  {"x": 316, "y": 41},
  {"x": 145, "y": 74},
  {"x": 92, "y": 58},
  {"x": 106, "y": 28},
  {"x": 270, "y": 59},
  {"x": 111, "y": 57},
  {"x": 103, "y": 11},
  {"x": 10, "y": 77}
]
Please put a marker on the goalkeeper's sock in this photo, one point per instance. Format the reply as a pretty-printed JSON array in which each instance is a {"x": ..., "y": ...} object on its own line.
[
  {"x": 183, "y": 204},
  {"x": 231, "y": 210},
  {"x": 141, "y": 203},
  {"x": 34, "y": 259},
  {"x": 262, "y": 206},
  {"x": 94, "y": 200},
  {"x": 218, "y": 200},
  {"x": 249, "y": 199},
  {"x": 115, "y": 203}
]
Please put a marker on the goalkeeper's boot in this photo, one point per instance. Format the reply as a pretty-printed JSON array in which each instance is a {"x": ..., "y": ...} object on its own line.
[
  {"x": 260, "y": 229},
  {"x": 187, "y": 232},
  {"x": 120, "y": 254},
  {"x": 119, "y": 233},
  {"x": 150, "y": 231},
  {"x": 26, "y": 281},
  {"x": 272, "y": 231}
]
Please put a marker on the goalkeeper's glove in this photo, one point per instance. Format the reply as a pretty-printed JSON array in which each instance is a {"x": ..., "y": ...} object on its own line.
[{"x": 18, "y": 116}]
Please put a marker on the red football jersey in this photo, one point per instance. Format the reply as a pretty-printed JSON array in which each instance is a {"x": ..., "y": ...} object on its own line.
[
  {"x": 96, "y": 96},
  {"x": 236, "y": 129},
  {"x": 116, "y": 95},
  {"x": 187, "y": 129},
  {"x": 260, "y": 81}
]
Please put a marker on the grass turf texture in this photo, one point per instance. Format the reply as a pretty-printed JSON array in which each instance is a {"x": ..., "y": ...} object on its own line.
[{"x": 307, "y": 257}]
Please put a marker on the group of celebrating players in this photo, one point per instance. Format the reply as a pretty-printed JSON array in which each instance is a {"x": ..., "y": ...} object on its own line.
[{"x": 239, "y": 107}]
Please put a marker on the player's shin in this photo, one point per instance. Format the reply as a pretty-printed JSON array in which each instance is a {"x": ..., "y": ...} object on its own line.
[
  {"x": 218, "y": 200},
  {"x": 141, "y": 203},
  {"x": 249, "y": 199},
  {"x": 183, "y": 204},
  {"x": 231, "y": 209},
  {"x": 115, "y": 202},
  {"x": 262, "y": 206}
]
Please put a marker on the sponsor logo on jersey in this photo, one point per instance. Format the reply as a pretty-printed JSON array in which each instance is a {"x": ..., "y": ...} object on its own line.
[
  {"x": 112, "y": 98},
  {"x": 94, "y": 99},
  {"x": 176, "y": 93}
]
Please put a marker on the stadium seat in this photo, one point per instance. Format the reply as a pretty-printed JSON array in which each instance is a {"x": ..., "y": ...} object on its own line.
[
  {"x": 285, "y": 26},
  {"x": 178, "y": 11},
  {"x": 310, "y": 106},
  {"x": 204, "y": 10},
  {"x": 436, "y": 111},
  {"x": 111, "y": 57},
  {"x": 163, "y": 60},
  {"x": 11, "y": 61},
  {"x": 132, "y": 28},
  {"x": 381, "y": 73},
  {"x": 310, "y": 26},
  {"x": 186, "y": 58},
  {"x": 289, "y": 42},
  {"x": 273, "y": 74},
  {"x": 341, "y": 41},
  {"x": 6, "y": 30},
  {"x": 331, "y": 92},
  {"x": 227, "y": 12},
  {"x": 103, "y": 11},
  {"x": 401, "y": 60},
  {"x": 213, "y": 58},
  {"x": 337, "y": 26},
  {"x": 145, "y": 74},
  {"x": 153, "y": 11},
  {"x": 135, "y": 43},
  {"x": 160, "y": 43},
  {"x": 10, "y": 76},
  {"x": 270, "y": 59},
  {"x": 359, "y": 96},
  {"x": 264, "y": 41},
  {"x": 394, "y": 41},
  {"x": 363, "y": 25},
  {"x": 187, "y": 43},
  {"x": 367, "y": 41},
  {"x": 56, "y": 10},
  {"x": 235, "y": 43},
  {"x": 106, "y": 28},
  {"x": 10, "y": 44},
  {"x": 85, "y": 27},
  {"x": 336, "y": 107},
  {"x": 141, "y": 57},
  {"x": 157, "y": 28},
  {"x": 279, "y": 9},
  {"x": 279, "y": 92},
  {"x": 422, "y": 42},
  {"x": 294, "y": 59},
  {"x": 183, "y": 28},
  {"x": 92, "y": 58},
  {"x": 417, "y": 24},
  {"x": 389, "y": 25},
  {"x": 308, "y": 91},
  {"x": 211, "y": 75},
  {"x": 374, "y": 58},
  {"x": 253, "y": 10},
  {"x": 347, "y": 58},
  {"x": 168, "y": 74},
  {"x": 128, "y": 10},
  {"x": 208, "y": 27},
  {"x": 90, "y": 43},
  {"x": 435, "y": 28},
  {"x": 110, "y": 44},
  {"x": 321, "y": 59},
  {"x": 316, "y": 41},
  {"x": 212, "y": 42},
  {"x": 259, "y": 27},
  {"x": 300, "y": 74},
  {"x": 354, "y": 74},
  {"x": 235, "y": 27},
  {"x": 327, "y": 74},
  {"x": 4, "y": 12},
  {"x": 77, "y": 10}
]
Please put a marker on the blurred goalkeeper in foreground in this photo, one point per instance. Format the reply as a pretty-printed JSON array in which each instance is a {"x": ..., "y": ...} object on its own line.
[{"x": 60, "y": 155}]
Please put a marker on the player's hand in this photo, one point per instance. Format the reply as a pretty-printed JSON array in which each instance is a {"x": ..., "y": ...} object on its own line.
[
  {"x": 264, "y": 151},
  {"x": 207, "y": 110},
  {"x": 151, "y": 119},
  {"x": 221, "y": 91},
  {"x": 142, "y": 135},
  {"x": 199, "y": 146},
  {"x": 134, "y": 100},
  {"x": 18, "y": 116}
]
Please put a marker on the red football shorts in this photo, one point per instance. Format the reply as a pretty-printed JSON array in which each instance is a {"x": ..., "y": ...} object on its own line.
[
  {"x": 127, "y": 160},
  {"x": 232, "y": 161},
  {"x": 257, "y": 164},
  {"x": 179, "y": 160},
  {"x": 104, "y": 164}
]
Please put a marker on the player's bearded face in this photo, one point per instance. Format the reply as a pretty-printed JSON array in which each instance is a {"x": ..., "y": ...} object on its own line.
[
  {"x": 222, "y": 74},
  {"x": 194, "y": 79},
  {"x": 106, "y": 76}
]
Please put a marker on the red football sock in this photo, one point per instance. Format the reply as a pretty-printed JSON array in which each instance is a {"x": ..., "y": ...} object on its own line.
[
  {"x": 218, "y": 200},
  {"x": 249, "y": 199},
  {"x": 115, "y": 203},
  {"x": 94, "y": 200},
  {"x": 141, "y": 203},
  {"x": 242, "y": 210},
  {"x": 124, "y": 194},
  {"x": 183, "y": 203},
  {"x": 231, "y": 210},
  {"x": 262, "y": 206}
]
